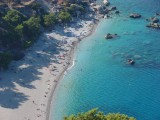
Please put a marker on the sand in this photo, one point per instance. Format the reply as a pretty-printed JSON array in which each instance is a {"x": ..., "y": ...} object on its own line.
[{"x": 26, "y": 89}]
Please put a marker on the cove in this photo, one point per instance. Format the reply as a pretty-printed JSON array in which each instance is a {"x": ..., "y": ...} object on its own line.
[{"x": 100, "y": 77}]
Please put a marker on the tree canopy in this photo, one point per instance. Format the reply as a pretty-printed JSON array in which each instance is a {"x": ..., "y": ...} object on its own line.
[
  {"x": 49, "y": 19},
  {"x": 14, "y": 17},
  {"x": 94, "y": 114},
  {"x": 32, "y": 27},
  {"x": 64, "y": 16}
]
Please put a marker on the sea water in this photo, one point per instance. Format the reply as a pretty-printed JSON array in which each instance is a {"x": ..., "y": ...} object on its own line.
[{"x": 101, "y": 78}]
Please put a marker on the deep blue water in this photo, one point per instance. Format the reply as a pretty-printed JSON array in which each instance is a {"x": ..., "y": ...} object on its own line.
[{"x": 101, "y": 78}]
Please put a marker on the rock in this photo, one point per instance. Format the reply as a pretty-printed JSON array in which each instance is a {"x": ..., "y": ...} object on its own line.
[
  {"x": 117, "y": 12},
  {"x": 100, "y": 9},
  {"x": 154, "y": 20},
  {"x": 131, "y": 62},
  {"x": 153, "y": 25},
  {"x": 106, "y": 11},
  {"x": 134, "y": 15},
  {"x": 93, "y": 4},
  {"x": 110, "y": 36},
  {"x": 157, "y": 14},
  {"x": 113, "y": 8},
  {"x": 106, "y": 2}
]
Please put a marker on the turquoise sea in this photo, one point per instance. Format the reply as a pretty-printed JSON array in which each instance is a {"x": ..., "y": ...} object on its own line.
[{"x": 100, "y": 77}]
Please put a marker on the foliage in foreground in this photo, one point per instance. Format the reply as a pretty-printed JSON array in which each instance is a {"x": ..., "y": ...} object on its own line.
[{"x": 94, "y": 114}]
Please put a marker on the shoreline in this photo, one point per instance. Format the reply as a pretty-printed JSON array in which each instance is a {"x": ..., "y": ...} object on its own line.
[{"x": 71, "y": 55}]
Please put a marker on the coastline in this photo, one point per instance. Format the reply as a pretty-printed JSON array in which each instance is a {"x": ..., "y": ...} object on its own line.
[
  {"x": 71, "y": 55},
  {"x": 34, "y": 79}
]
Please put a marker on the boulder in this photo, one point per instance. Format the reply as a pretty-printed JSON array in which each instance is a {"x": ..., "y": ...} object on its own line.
[
  {"x": 154, "y": 25},
  {"x": 131, "y": 62},
  {"x": 110, "y": 36},
  {"x": 106, "y": 2},
  {"x": 134, "y": 15},
  {"x": 117, "y": 12},
  {"x": 112, "y": 8},
  {"x": 154, "y": 20},
  {"x": 106, "y": 11}
]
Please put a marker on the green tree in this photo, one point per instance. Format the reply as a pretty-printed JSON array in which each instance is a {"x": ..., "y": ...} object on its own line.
[
  {"x": 35, "y": 5},
  {"x": 49, "y": 19},
  {"x": 94, "y": 114},
  {"x": 19, "y": 30},
  {"x": 14, "y": 17},
  {"x": 74, "y": 7},
  {"x": 32, "y": 27},
  {"x": 64, "y": 16}
]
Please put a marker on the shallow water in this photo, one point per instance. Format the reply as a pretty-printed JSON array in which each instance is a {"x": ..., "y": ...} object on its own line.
[{"x": 101, "y": 78}]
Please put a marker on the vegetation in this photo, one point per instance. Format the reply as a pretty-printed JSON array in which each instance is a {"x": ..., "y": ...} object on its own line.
[
  {"x": 13, "y": 17},
  {"x": 49, "y": 19},
  {"x": 75, "y": 7},
  {"x": 94, "y": 114},
  {"x": 19, "y": 29},
  {"x": 64, "y": 16},
  {"x": 5, "y": 59},
  {"x": 32, "y": 27}
]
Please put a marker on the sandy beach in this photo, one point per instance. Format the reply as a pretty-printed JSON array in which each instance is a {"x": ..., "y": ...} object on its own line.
[{"x": 27, "y": 87}]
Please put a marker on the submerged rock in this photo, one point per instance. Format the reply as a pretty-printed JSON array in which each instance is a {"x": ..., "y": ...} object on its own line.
[
  {"x": 110, "y": 36},
  {"x": 135, "y": 15},
  {"x": 112, "y": 8},
  {"x": 137, "y": 56},
  {"x": 117, "y": 12}
]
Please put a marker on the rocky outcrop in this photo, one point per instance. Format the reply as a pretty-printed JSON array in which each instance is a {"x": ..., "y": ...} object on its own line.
[
  {"x": 117, "y": 12},
  {"x": 110, "y": 36},
  {"x": 106, "y": 2},
  {"x": 135, "y": 15},
  {"x": 154, "y": 20},
  {"x": 112, "y": 8},
  {"x": 154, "y": 25},
  {"x": 130, "y": 62}
]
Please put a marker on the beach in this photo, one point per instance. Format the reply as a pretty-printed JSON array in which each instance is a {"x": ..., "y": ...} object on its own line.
[{"x": 27, "y": 87}]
